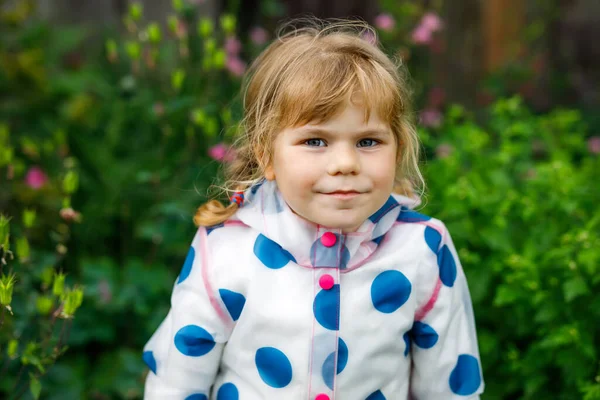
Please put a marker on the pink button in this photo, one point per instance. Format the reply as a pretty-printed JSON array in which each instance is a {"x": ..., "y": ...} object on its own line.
[
  {"x": 322, "y": 396},
  {"x": 328, "y": 239},
  {"x": 326, "y": 281}
]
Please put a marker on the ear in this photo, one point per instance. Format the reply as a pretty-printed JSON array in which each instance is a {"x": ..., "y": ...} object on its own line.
[{"x": 270, "y": 172}]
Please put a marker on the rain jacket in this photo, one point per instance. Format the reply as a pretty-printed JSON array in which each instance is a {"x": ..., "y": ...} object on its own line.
[{"x": 271, "y": 306}]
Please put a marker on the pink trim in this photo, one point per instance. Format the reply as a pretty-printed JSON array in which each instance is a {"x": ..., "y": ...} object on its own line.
[
  {"x": 421, "y": 313},
  {"x": 234, "y": 223},
  {"x": 207, "y": 286}
]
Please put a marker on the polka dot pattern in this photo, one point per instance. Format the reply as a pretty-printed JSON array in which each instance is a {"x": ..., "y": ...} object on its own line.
[
  {"x": 273, "y": 367},
  {"x": 193, "y": 341},
  {"x": 447, "y": 266},
  {"x": 197, "y": 396},
  {"x": 323, "y": 256},
  {"x": 233, "y": 301},
  {"x": 376, "y": 395},
  {"x": 270, "y": 253},
  {"x": 326, "y": 308},
  {"x": 187, "y": 265},
  {"x": 149, "y": 360},
  {"x": 406, "y": 338},
  {"x": 465, "y": 377},
  {"x": 424, "y": 335},
  {"x": 328, "y": 365},
  {"x": 389, "y": 291},
  {"x": 228, "y": 391},
  {"x": 433, "y": 239},
  {"x": 390, "y": 204},
  {"x": 407, "y": 215}
]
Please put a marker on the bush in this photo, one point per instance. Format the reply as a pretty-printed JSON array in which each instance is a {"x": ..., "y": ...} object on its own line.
[{"x": 521, "y": 199}]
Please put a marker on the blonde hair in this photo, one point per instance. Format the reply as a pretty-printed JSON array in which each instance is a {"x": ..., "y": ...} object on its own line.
[{"x": 306, "y": 75}]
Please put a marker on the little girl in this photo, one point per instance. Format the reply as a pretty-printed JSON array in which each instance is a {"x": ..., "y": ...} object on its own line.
[{"x": 318, "y": 281}]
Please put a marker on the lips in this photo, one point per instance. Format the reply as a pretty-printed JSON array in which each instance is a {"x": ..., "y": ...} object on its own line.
[{"x": 344, "y": 192}]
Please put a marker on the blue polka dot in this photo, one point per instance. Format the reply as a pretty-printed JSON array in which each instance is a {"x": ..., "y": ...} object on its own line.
[
  {"x": 187, "y": 265},
  {"x": 194, "y": 341},
  {"x": 326, "y": 308},
  {"x": 379, "y": 239},
  {"x": 433, "y": 239},
  {"x": 377, "y": 395},
  {"x": 406, "y": 338},
  {"x": 407, "y": 215},
  {"x": 322, "y": 256},
  {"x": 465, "y": 377},
  {"x": 424, "y": 335},
  {"x": 327, "y": 370},
  {"x": 150, "y": 361},
  {"x": 390, "y": 204},
  {"x": 233, "y": 301},
  {"x": 389, "y": 291},
  {"x": 447, "y": 266},
  {"x": 197, "y": 396},
  {"x": 270, "y": 253},
  {"x": 273, "y": 367},
  {"x": 228, "y": 392}
]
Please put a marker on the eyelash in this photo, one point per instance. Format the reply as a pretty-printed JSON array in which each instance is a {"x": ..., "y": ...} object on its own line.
[{"x": 374, "y": 141}]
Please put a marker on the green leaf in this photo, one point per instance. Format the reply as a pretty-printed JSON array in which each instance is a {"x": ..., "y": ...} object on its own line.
[
  {"x": 35, "y": 386},
  {"x": 574, "y": 288}
]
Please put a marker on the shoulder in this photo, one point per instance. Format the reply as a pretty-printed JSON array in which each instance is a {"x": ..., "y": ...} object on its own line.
[
  {"x": 227, "y": 247},
  {"x": 430, "y": 232}
]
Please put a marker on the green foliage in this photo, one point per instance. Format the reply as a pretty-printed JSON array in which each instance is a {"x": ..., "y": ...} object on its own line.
[
  {"x": 520, "y": 196},
  {"x": 103, "y": 160}
]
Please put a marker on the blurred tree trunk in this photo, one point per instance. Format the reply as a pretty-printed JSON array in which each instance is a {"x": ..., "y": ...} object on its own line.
[{"x": 459, "y": 67}]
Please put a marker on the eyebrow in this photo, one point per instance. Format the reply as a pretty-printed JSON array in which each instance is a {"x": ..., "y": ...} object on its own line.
[{"x": 306, "y": 131}]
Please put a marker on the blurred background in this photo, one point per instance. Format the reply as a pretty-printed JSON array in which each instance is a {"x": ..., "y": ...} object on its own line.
[{"x": 115, "y": 117}]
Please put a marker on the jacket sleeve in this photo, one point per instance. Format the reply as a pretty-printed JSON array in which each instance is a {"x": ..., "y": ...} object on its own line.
[
  {"x": 445, "y": 355},
  {"x": 185, "y": 351}
]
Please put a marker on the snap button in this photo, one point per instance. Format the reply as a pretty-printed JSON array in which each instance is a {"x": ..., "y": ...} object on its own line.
[
  {"x": 326, "y": 282},
  {"x": 322, "y": 396},
  {"x": 328, "y": 239}
]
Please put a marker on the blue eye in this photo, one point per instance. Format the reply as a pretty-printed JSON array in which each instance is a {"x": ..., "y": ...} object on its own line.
[
  {"x": 315, "y": 142},
  {"x": 367, "y": 143}
]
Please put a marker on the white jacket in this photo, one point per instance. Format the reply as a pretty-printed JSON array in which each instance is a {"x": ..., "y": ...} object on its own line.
[{"x": 270, "y": 306}]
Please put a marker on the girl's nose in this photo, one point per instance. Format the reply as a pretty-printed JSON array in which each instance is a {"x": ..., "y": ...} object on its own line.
[{"x": 344, "y": 160}]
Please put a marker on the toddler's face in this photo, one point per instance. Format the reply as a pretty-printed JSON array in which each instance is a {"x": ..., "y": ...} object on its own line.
[{"x": 337, "y": 173}]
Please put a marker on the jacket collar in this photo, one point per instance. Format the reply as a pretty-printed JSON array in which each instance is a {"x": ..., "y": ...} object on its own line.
[{"x": 265, "y": 210}]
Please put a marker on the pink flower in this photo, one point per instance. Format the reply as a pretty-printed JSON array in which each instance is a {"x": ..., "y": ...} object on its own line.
[
  {"x": 421, "y": 35},
  {"x": 369, "y": 37},
  {"x": 221, "y": 152},
  {"x": 235, "y": 65},
  {"x": 70, "y": 215},
  {"x": 443, "y": 150},
  {"x": 432, "y": 22},
  {"x": 36, "y": 178},
  {"x": 259, "y": 35},
  {"x": 594, "y": 144},
  {"x": 181, "y": 29},
  {"x": 431, "y": 118},
  {"x": 233, "y": 46},
  {"x": 385, "y": 22}
]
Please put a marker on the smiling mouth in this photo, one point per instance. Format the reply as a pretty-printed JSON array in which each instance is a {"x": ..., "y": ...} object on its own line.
[{"x": 343, "y": 194}]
